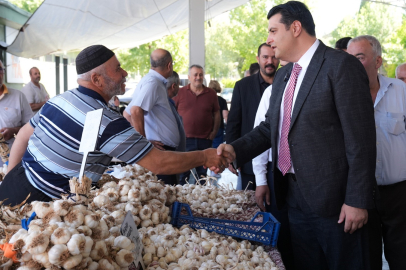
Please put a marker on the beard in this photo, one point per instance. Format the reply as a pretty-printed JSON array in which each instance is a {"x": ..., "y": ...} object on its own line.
[
  {"x": 268, "y": 74},
  {"x": 112, "y": 88}
]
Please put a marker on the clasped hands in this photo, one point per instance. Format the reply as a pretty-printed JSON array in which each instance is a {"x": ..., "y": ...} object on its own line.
[{"x": 219, "y": 159}]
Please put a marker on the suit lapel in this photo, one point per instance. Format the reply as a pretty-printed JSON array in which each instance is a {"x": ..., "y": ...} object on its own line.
[
  {"x": 308, "y": 80},
  {"x": 257, "y": 87}
]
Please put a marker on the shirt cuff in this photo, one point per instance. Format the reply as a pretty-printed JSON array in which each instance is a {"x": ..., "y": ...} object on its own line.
[{"x": 260, "y": 180}]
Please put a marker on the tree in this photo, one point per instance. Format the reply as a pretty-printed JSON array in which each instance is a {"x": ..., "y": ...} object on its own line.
[
  {"x": 27, "y": 5},
  {"x": 136, "y": 60},
  {"x": 378, "y": 20}
]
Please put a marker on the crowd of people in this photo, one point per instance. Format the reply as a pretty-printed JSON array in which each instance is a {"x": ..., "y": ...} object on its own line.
[{"x": 317, "y": 132}]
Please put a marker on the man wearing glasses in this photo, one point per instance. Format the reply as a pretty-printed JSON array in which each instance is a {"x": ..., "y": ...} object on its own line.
[{"x": 15, "y": 111}]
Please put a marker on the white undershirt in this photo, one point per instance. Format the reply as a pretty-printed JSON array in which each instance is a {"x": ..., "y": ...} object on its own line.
[{"x": 304, "y": 62}]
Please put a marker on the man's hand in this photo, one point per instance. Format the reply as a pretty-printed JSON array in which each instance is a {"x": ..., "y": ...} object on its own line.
[
  {"x": 262, "y": 192},
  {"x": 223, "y": 148},
  {"x": 212, "y": 136},
  {"x": 158, "y": 145},
  {"x": 216, "y": 163},
  {"x": 354, "y": 218},
  {"x": 8, "y": 133}
]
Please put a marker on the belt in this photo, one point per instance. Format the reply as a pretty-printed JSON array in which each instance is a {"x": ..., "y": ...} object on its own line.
[{"x": 170, "y": 148}]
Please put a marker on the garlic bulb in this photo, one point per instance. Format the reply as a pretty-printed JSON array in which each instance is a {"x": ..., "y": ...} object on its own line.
[
  {"x": 122, "y": 242},
  {"x": 119, "y": 216},
  {"x": 36, "y": 242},
  {"x": 60, "y": 236},
  {"x": 74, "y": 218},
  {"x": 92, "y": 221},
  {"x": 76, "y": 244},
  {"x": 84, "y": 230},
  {"x": 58, "y": 254},
  {"x": 101, "y": 200},
  {"x": 72, "y": 261},
  {"x": 124, "y": 258},
  {"x": 42, "y": 208},
  {"x": 111, "y": 194},
  {"x": 99, "y": 250},
  {"x": 22, "y": 233},
  {"x": 62, "y": 207}
]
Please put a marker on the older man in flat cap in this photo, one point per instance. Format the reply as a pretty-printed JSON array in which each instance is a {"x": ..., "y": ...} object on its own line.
[{"x": 46, "y": 153}]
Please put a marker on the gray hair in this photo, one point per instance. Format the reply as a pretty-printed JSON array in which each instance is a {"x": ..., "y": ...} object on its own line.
[
  {"x": 196, "y": 66},
  {"x": 88, "y": 75},
  {"x": 161, "y": 62},
  {"x": 397, "y": 69},
  {"x": 376, "y": 45},
  {"x": 172, "y": 79}
]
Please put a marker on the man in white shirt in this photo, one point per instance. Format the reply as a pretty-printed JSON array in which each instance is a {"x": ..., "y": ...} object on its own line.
[
  {"x": 262, "y": 167},
  {"x": 149, "y": 111},
  {"x": 15, "y": 111},
  {"x": 35, "y": 91},
  {"x": 389, "y": 97}
]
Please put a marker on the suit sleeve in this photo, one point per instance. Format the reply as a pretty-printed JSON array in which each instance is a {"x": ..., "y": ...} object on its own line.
[
  {"x": 233, "y": 129},
  {"x": 356, "y": 112},
  {"x": 253, "y": 143}
]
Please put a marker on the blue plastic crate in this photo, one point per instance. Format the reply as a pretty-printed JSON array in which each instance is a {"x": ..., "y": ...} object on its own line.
[{"x": 265, "y": 232}]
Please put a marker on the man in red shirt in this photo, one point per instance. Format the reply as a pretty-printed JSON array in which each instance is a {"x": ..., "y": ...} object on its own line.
[{"x": 198, "y": 105}]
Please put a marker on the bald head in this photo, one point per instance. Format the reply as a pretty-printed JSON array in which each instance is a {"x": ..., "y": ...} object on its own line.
[
  {"x": 401, "y": 72},
  {"x": 161, "y": 62}
]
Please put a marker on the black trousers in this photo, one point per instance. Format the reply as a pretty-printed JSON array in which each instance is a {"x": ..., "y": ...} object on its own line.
[
  {"x": 320, "y": 243},
  {"x": 171, "y": 178},
  {"x": 16, "y": 187},
  {"x": 284, "y": 239},
  {"x": 391, "y": 206}
]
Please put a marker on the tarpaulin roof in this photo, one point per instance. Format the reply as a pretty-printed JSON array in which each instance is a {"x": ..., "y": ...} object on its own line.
[{"x": 62, "y": 26}]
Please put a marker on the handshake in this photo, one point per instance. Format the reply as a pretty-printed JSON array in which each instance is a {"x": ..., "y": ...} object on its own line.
[{"x": 219, "y": 159}]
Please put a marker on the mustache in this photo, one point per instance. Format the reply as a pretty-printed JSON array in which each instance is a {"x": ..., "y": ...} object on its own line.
[{"x": 270, "y": 65}]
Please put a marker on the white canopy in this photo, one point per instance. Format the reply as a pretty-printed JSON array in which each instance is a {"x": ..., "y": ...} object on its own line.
[{"x": 62, "y": 26}]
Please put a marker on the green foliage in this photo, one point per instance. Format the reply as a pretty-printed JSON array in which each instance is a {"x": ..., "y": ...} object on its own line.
[
  {"x": 27, "y": 5},
  {"x": 228, "y": 83},
  {"x": 383, "y": 22},
  {"x": 136, "y": 60}
]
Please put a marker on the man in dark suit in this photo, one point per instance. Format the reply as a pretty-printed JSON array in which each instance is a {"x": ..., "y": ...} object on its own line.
[
  {"x": 320, "y": 125},
  {"x": 244, "y": 104}
]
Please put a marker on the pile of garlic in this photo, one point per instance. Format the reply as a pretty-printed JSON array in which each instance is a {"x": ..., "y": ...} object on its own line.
[
  {"x": 70, "y": 236},
  {"x": 209, "y": 200},
  {"x": 166, "y": 247},
  {"x": 143, "y": 195}
]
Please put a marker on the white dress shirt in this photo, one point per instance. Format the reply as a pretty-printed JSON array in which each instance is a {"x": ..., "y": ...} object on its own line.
[
  {"x": 304, "y": 62},
  {"x": 390, "y": 115},
  {"x": 159, "y": 122},
  {"x": 259, "y": 163}
]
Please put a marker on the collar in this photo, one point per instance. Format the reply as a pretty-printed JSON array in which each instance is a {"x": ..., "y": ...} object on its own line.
[
  {"x": 304, "y": 61},
  {"x": 261, "y": 79},
  {"x": 205, "y": 89},
  {"x": 384, "y": 85},
  {"x": 91, "y": 93},
  {"x": 32, "y": 84},
  {"x": 155, "y": 74}
]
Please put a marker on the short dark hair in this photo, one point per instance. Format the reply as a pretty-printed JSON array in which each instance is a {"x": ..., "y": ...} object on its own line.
[
  {"x": 294, "y": 11},
  {"x": 161, "y": 62},
  {"x": 260, "y": 46},
  {"x": 254, "y": 68},
  {"x": 32, "y": 69},
  {"x": 342, "y": 43}
]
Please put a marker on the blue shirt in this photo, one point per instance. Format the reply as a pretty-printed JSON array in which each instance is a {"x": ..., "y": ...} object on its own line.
[
  {"x": 52, "y": 156},
  {"x": 151, "y": 95},
  {"x": 390, "y": 114}
]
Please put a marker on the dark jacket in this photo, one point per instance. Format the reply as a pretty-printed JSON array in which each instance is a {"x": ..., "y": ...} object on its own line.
[
  {"x": 244, "y": 105},
  {"x": 332, "y": 134}
]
